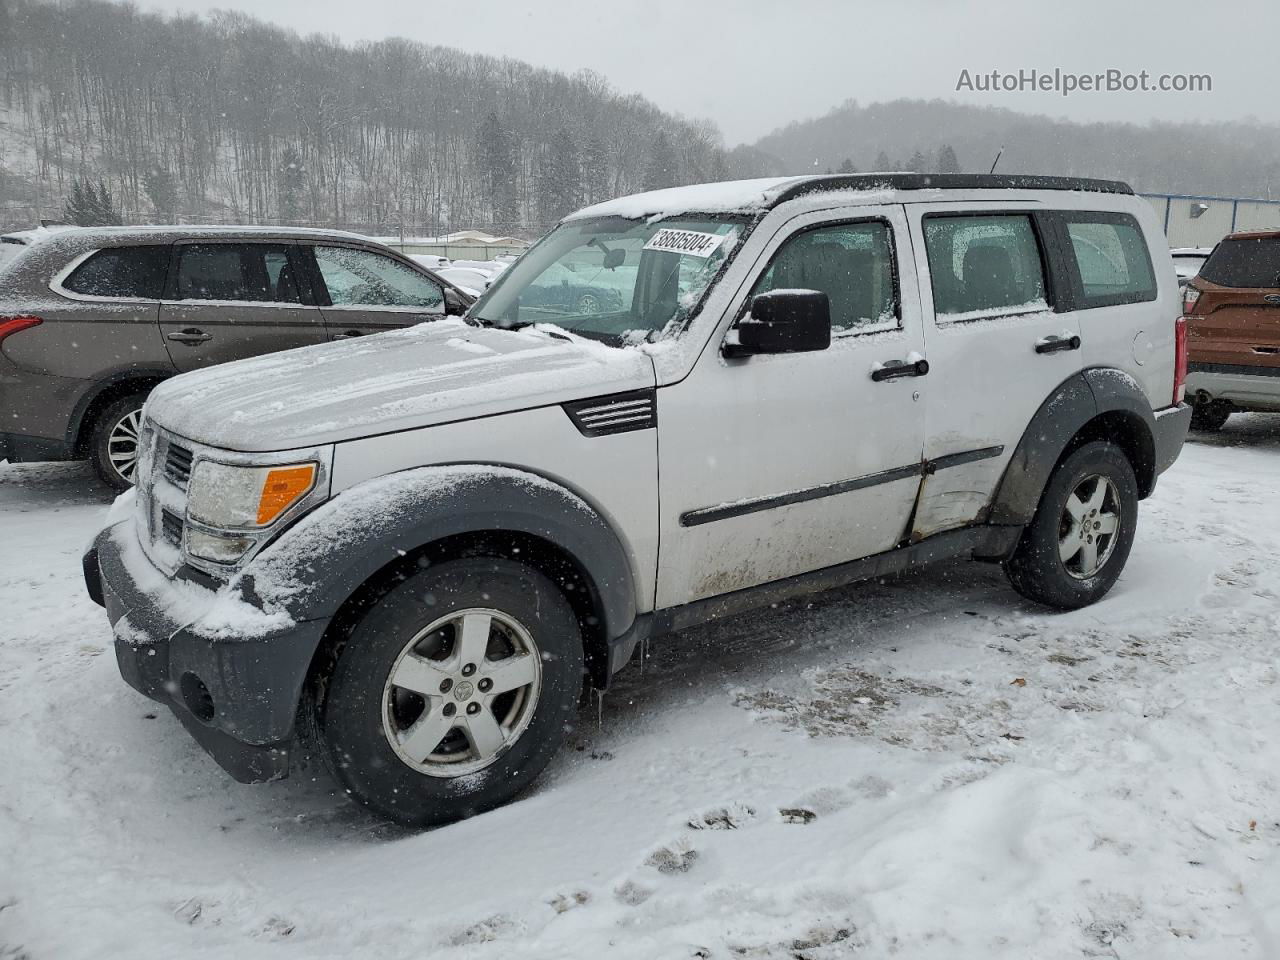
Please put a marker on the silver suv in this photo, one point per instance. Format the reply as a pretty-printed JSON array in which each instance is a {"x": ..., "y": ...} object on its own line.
[
  {"x": 419, "y": 547},
  {"x": 91, "y": 320}
]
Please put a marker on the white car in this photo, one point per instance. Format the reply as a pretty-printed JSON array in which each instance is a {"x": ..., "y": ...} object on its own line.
[
  {"x": 473, "y": 281},
  {"x": 1187, "y": 261},
  {"x": 419, "y": 546}
]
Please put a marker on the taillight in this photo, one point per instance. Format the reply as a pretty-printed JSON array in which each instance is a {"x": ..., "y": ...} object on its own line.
[
  {"x": 11, "y": 325},
  {"x": 1189, "y": 297},
  {"x": 1179, "y": 359}
]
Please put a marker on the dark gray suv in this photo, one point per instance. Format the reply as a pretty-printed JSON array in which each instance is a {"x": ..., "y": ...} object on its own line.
[{"x": 92, "y": 319}]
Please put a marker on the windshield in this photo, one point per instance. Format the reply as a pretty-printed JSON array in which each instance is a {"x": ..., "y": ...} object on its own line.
[{"x": 616, "y": 280}]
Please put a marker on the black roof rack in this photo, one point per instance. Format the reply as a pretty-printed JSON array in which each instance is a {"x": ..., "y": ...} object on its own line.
[{"x": 948, "y": 181}]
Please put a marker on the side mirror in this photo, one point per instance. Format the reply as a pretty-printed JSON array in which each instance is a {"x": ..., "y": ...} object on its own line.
[
  {"x": 455, "y": 305},
  {"x": 784, "y": 321}
]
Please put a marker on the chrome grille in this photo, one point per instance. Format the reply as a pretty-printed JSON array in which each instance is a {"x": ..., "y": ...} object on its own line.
[
  {"x": 177, "y": 464},
  {"x": 171, "y": 527}
]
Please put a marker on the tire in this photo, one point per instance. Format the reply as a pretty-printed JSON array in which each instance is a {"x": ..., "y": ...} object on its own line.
[
  {"x": 1210, "y": 416},
  {"x": 114, "y": 438},
  {"x": 588, "y": 304},
  {"x": 1092, "y": 484},
  {"x": 419, "y": 634}
]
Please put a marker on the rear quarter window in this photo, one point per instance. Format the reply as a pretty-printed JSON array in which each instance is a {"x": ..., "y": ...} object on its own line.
[
  {"x": 1112, "y": 263},
  {"x": 134, "y": 273},
  {"x": 1244, "y": 262}
]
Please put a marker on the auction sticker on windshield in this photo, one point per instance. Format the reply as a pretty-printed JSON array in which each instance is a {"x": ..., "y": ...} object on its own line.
[{"x": 691, "y": 243}]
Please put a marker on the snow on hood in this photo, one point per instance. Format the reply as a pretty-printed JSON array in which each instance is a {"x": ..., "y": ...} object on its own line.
[{"x": 428, "y": 374}]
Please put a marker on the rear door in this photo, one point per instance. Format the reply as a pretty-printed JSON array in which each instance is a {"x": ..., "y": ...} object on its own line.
[
  {"x": 361, "y": 291},
  {"x": 1238, "y": 313},
  {"x": 236, "y": 299},
  {"x": 996, "y": 347}
]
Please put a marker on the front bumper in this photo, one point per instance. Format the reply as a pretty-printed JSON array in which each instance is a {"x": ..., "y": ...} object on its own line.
[
  {"x": 238, "y": 697},
  {"x": 1172, "y": 424}
]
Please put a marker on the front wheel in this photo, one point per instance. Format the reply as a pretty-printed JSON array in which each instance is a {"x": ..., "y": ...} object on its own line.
[
  {"x": 1075, "y": 547},
  {"x": 453, "y": 692}
]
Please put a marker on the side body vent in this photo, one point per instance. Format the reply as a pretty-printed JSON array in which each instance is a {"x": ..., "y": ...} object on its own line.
[{"x": 620, "y": 413}]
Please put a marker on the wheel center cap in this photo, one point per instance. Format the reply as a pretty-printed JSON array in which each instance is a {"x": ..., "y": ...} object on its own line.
[{"x": 463, "y": 690}]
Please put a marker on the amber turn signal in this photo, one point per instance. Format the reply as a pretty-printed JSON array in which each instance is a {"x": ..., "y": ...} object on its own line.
[{"x": 283, "y": 487}]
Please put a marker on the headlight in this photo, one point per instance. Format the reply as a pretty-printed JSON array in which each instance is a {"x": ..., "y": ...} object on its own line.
[{"x": 227, "y": 496}]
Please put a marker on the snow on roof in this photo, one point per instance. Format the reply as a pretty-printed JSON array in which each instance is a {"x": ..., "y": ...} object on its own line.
[{"x": 733, "y": 196}]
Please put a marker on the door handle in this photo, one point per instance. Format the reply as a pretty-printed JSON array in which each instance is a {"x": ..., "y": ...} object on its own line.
[
  {"x": 896, "y": 369},
  {"x": 1056, "y": 343},
  {"x": 348, "y": 334},
  {"x": 191, "y": 335}
]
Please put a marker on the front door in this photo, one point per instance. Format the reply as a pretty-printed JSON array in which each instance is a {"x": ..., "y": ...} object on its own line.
[
  {"x": 997, "y": 349},
  {"x": 237, "y": 299},
  {"x": 363, "y": 292},
  {"x": 772, "y": 466}
]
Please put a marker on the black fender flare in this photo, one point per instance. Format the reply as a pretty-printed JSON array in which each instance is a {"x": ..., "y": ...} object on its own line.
[
  {"x": 1098, "y": 392},
  {"x": 312, "y": 568}
]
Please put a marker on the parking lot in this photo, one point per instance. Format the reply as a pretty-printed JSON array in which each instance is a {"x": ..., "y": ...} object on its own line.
[{"x": 924, "y": 767}]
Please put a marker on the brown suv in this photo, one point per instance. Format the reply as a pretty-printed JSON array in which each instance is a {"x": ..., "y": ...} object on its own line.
[
  {"x": 1233, "y": 312},
  {"x": 91, "y": 320}
]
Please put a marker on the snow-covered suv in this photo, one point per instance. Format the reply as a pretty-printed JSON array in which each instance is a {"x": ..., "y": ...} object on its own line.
[{"x": 418, "y": 546}]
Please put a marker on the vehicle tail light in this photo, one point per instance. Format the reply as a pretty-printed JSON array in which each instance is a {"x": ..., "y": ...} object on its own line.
[
  {"x": 1179, "y": 359},
  {"x": 1190, "y": 294},
  {"x": 16, "y": 324}
]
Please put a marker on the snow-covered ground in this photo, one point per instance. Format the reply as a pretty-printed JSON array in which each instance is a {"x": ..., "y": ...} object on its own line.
[{"x": 924, "y": 768}]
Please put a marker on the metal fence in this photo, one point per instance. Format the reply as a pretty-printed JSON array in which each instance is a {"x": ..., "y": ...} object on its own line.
[{"x": 1194, "y": 221}]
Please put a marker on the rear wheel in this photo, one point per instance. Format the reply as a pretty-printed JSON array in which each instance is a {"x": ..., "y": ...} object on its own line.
[
  {"x": 454, "y": 691},
  {"x": 1210, "y": 416},
  {"x": 1076, "y": 545},
  {"x": 113, "y": 443}
]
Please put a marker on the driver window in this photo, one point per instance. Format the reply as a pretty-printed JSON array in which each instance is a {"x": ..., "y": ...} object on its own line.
[
  {"x": 362, "y": 278},
  {"x": 852, "y": 263}
]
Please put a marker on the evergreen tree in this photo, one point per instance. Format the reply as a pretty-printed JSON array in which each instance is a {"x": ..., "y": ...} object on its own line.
[
  {"x": 560, "y": 181},
  {"x": 663, "y": 168},
  {"x": 497, "y": 163},
  {"x": 918, "y": 163},
  {"x": 291, "y": 183},
  {"x": 847, "y": 167},
  {"x": 948, "y": 162},
  {"x": 162, "y": 191},
  {"x": 108, "y": 215},
  {"x": 883, "y": 163},
  {"x": 90, "y": 206}
]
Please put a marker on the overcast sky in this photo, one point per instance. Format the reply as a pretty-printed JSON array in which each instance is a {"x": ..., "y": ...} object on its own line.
[{"x": 752, "y": 66}]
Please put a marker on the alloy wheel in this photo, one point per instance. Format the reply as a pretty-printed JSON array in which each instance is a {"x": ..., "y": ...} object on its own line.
[
  {"x": 1087, "y": 532},
  {"x": 122, "y": 445},
  {"x": 461, "y": 692}
]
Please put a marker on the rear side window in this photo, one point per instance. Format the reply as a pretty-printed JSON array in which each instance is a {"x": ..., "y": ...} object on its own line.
[
  {"x": 984, "y": 266},
  {"x": 1244, "y": 262},
  {"x": 253, "y": 272},
  {"x": 1112, "y": 260},
  {"x": 852, "y": 263},
  {"x": 134, "y": 273}
]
